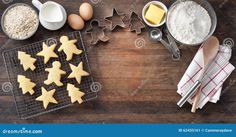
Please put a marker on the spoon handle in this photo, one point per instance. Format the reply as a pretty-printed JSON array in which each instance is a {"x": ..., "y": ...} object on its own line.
[
  {"x": 166, "y": 45},
  {"x": 174, "y": 47},
  {"x": 196, "y": 100},
  {"x": 190, "y": 93}
]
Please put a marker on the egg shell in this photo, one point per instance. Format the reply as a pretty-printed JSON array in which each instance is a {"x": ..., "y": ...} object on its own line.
[
  {"x": 86, "y": 11},
  {"x": 75, "y": 22}
]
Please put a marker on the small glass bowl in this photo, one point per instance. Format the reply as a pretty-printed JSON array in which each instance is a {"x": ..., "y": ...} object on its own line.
[
  {"x": 3, "y": 16},
  {"x": 207, "y": 6}
]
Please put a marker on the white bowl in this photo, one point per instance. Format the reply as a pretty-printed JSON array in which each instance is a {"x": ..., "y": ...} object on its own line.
[
  {"x": 207, "y": 6},
  {"x": 155, "y": 3},
  {"x": 5, "y": 12},
  {"x": 56, "y": 25}
]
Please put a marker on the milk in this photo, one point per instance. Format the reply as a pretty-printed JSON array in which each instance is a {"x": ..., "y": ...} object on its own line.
[
  {"x": 52, "y": 15},
  {"x": 51, "y": 12}
]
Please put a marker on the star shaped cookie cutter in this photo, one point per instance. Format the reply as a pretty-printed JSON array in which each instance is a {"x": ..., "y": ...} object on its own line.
[
  {"x": 116, "y": 19},
  {"x": 135, "y": 23},
  {"x": 96, "y": 30}
]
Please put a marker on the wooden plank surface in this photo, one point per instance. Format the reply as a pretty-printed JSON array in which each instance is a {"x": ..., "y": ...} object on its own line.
[{"x": 138, "y": 84}]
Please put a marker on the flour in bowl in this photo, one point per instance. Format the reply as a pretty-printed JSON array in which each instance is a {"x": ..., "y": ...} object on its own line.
[
  {"x": 20, "y": 22},
  {"x": 189, "y": 22}
]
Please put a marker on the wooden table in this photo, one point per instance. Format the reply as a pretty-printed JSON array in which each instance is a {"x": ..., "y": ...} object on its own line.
[{"x": 138, "y": 84}]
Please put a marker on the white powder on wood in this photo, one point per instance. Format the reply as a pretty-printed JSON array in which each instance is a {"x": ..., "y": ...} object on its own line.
[
  {"x": 20, "y": 21},
  {"x": 189, "y": 22}
]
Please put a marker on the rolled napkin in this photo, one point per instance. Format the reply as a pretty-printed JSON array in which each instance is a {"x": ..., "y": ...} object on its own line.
[{"x": 219, "y": 70}]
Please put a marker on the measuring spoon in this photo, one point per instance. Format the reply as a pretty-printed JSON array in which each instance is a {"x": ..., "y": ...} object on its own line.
[
  {"x": 156, "y": 35},
  {"x": 175, "y": 50}
]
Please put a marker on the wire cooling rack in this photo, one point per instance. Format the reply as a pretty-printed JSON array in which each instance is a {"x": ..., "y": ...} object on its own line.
[{"x": 26, "y": 105}]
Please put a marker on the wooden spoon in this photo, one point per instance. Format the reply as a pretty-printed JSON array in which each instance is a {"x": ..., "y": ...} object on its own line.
[{"x": 210, "y": 50}]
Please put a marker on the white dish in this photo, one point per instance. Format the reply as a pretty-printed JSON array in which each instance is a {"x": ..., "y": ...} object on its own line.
[
  {"x": 56, "y": 25},
  {"x": 155, "y": 3}
]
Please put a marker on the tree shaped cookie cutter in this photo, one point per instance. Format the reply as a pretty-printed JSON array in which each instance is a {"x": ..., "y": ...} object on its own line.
[
  {"x": 135, "y": 23},
  {"x": 116, "y": 19},
  {"x": 96, "y": 30}
]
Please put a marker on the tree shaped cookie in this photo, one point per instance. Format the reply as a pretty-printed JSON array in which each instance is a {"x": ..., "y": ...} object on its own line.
[
  {"x": 48, "y": 52},
  {"x": 47, "y": 97},
  {"x": 69, "y": 47},
  {"x": 26, "y": 60},
  {"x": 77, "y": 72},
  {"x": 25, "y": 84},
  {"x": 75, "y": 94},
  {"x": 54, "y": 74}
]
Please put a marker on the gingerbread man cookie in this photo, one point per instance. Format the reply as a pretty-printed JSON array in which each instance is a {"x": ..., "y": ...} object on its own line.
[
  {"x": 47, "y": 97},
  {"x": 54, "y": 74},
  {"x": 75, "y": 94},
  {"x": 77, "y": 72},
  {"x": 48, "y": 52},
  {"x": 69, "y": 47},
  {"x": 26, "y": 61},
  {"x": 25, "y": 84}
]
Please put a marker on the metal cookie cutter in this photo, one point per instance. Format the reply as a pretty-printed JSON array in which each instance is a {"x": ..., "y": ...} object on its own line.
[
  {"x": 135, "y": 23},
  {"x": 116, "y": 19},
  {"x": 97, "y": 32}
]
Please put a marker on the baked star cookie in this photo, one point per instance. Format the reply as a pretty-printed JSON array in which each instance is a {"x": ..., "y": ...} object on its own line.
[
  {"x": 48, "y": 52},
  {"x": 25, "y": 84},
  {"x": 75, "y": 94},
  {"x": 54, "y": 74},
  {"x": 69, "y": 47},
  {"x": 26, "y": 61},
  {"x": 47, "y": 97},
  {"x": 77, "y": 72}
]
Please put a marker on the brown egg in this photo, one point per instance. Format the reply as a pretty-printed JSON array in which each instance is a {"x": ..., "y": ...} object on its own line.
[
  {"x": 75, "y": 22},
  {"x": 86, "y": 11}
]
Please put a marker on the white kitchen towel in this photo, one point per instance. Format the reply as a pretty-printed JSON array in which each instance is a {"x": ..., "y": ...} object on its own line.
[{"x": 213, "y": 79}]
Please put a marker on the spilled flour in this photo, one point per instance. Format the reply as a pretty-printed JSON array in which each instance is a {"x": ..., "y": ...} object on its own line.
[{"x": 189, "y": 23}]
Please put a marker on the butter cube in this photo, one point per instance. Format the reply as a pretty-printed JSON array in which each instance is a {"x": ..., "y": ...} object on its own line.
[{"x": 154, "y": 14}]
